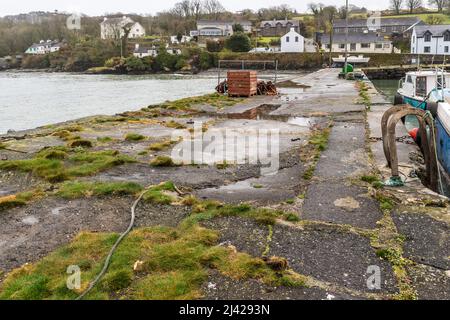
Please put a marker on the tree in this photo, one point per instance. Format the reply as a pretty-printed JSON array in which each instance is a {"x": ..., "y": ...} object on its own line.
[
  {"x": 413, "y": 5},
  {"x": 238, "y": 28},
  {"x": 329, "y": 15},
  {"x": 239, "y": 42},
  {"x": 438, "y": 3},
  {"x": 213, "y": 8},
  {"x": 396, "y": 5}
]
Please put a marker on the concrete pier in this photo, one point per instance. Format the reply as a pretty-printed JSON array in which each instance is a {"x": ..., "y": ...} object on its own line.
[{"x": 342, "y": 223}]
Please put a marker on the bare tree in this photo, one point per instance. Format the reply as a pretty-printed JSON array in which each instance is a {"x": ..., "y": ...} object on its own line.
[
  {"x": 213, "y": 8},
  {"x": 396, "y": 5},
  {"x": 329, "y": 15},
  {"x": 413, "y": 5},
  {"x": 438, "y": 3}
]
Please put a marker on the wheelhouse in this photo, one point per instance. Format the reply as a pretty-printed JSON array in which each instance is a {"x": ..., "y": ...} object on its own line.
[{"x": 420, "y": 84}]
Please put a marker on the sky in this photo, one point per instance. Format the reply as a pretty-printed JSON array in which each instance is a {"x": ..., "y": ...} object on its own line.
[{"x": 99, "y": 7}]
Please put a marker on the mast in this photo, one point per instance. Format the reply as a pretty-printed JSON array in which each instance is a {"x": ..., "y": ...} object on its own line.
[{"x": 346, "y": 38}]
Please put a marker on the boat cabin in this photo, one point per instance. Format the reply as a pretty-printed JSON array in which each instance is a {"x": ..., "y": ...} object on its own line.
[{"x": 420, "y": 84}]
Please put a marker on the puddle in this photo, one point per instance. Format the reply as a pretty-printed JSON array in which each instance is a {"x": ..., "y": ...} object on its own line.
[
  {"x": 31, "y": 220},
  {"x": 257, "y": 113}
]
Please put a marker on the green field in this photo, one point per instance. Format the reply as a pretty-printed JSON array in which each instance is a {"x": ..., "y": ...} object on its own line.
[{"x": 424, "y": 16}]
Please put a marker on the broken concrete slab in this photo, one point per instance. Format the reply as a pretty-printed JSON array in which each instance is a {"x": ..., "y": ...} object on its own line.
[
  {"x": 430, "y": 283},
  {"x": 331, "y": 255},
  {"x": 335, "y": 202},
  {"x": 427, "y": 240}
]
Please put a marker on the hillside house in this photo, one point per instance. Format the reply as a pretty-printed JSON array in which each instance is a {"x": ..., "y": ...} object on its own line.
[
  {"x": 207, "y": 28},
  {"x": 153, "y": 51},
  {"x": 114, "y": 28},
  {"x": 278, "y": 28},
  {"x": 184, "y": 39},
  {"x": 292, "y": 42},
  {"x": 388, "y": 26},
  {"x": 44, "y": 47},
  {"x": 434, "y": 39},
  {"x": 367, "y": 42}
]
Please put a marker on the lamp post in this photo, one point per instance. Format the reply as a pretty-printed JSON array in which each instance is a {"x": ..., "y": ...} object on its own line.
[{"x": 346, "y": 38}]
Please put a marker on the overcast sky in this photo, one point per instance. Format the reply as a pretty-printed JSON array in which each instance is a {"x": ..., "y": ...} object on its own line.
[{"x": 99, "y": 7}]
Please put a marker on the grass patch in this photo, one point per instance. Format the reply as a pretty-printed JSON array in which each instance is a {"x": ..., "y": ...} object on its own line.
[
  {"x": 104, "y": 139},
  {"x": 17, "y": 200},
  {"x": 73, "y": 190},
  {"x": 60, "y": 164},
  {"x": 174, "y": 125},
  {"x": 80, "y": 143},
  {"x": 215, "y": 100},
  {"x": 175, "y": 264},
  {"x": 163, "y": 161},
  {"x": 317, "y": 143},
  {"x": 134, "y": 137},
  {"x": 363, "y": 94},
  {"x": 159, "y": 146},
  {"x": 386, "y": 203},
  {"x": 161, "y": 194}
]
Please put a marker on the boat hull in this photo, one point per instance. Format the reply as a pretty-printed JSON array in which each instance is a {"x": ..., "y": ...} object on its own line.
[
  {"x": 443, "y": 145},
  {"x": 420, "y": 104}
]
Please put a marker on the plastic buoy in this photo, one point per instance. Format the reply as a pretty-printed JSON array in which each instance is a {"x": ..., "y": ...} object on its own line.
[{"x": 413, "y": 133}]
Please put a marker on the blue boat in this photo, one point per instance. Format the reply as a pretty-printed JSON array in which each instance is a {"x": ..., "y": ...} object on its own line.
[{"x": 427, "y": 90}]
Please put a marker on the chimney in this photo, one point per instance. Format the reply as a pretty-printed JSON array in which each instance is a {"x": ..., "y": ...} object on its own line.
[
  {"x": 136, "y": 46},
  {"x": 105, "y": 18},
  {"x": 292, "y": 29}
]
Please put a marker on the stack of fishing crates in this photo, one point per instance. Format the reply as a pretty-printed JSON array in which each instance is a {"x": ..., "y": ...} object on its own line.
[{"x": 242, "y": 83}]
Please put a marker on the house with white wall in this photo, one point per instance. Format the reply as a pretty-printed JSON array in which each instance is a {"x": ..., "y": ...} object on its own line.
[
  {"x": 153, "y": 51},
  {"x": 432, "y": 39},
  {"x": 292, "y": 42},
  {"x": 365, "y": 42},
  {"x": 184, "y": 39},
  {"x": 113, "y": 28},
  {"x": 44, "y": 47},
  {"x": 208, "y": 28}
]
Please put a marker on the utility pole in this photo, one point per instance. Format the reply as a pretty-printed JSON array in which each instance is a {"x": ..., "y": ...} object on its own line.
[{"x": 346, "y": 38}]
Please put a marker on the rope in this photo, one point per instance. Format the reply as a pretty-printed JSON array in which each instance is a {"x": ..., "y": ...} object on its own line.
[{"x": 113, "y": 249}]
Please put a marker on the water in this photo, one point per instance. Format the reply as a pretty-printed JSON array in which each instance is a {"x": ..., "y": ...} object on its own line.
[
  {"x": 29, "y": 100},
  {"x": 389, "y": 89}
]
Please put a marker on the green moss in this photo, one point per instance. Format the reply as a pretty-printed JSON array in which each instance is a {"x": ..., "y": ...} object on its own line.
[
  {"x": 134, "y": 137},
  {"x": 159, "y": 146},
  {"x": 72, "y": 190},
  {"x": 175, "y": 125},
  {"x": 162, "y": 161},
  {"x": 160, "y": 194},
  {"x": 215, "y": 100},
  {"x": 369, "y": 179},
  {"x": 291, "y": 217},
  {"x": 386, "y": 203},
  {"x": 104, "y": 139},
  {"x": 2, "y": 146},
  {"x": 83, "y": 143},
  {"x": 49, "y": 165}
]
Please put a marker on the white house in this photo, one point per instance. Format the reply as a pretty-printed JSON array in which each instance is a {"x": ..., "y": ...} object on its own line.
[
  {"x": 142, "y": 52},
  {"x": 153, "y": 51},
  {"x": 44, "y": 47},
  {"x": 292, "y": 42},
  {"x": 433, "y": 39},
  {"x": 184, "y": 39},
  {"x": 207, "y": 28},
  {"x": 364, "y": 42},
  {"x": 113, "y": 28}
]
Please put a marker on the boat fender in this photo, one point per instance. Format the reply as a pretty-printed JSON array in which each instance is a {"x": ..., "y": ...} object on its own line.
[
  {"x": 398, "y": 99},
  {"x": 414, "y": 133},
  {"x": 432, "y": 107}
]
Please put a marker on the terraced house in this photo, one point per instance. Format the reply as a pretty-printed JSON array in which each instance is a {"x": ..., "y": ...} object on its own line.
[
  {"x": 209, "y": 28},
  {"x": 44, "y": 47},
  {"x": 278, "y": 28},
  {"x": 433, "y": 39},
  {"x": 368, "y": 42},
  {"x": 387, "y": 26}
]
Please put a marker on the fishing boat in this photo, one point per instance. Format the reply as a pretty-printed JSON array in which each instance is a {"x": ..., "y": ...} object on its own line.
[{"x": 429, "y": 90}]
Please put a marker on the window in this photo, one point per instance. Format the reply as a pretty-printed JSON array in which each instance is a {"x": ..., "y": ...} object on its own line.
[
  {"x": 386, "y": 45},
  {"x": 352, "y": 46},
  {"x": 413, "y": 39},
  {"x": 427, "y": 49},
  {"x": 296, "y": 39},
  {"x": 328, "y": 46},
  {"x": 446, "y": 49},
  {"x": 447, "y": 36},
  {"x": 287, "y": 39},
  {"x": 427, "y": 37},
  {"x": 378, "y": 46},
  {"x": 409, "y": 79},
  {"x": 365, "y": 45},
  {"x": 342, "y": 46},
  {"x": 421, "y": 86}
]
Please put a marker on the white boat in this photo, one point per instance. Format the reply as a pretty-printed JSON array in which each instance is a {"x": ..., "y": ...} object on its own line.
[{"x": 351, "y": 60}]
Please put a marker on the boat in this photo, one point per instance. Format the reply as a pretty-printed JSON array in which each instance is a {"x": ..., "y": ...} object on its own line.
[
  {"x": 353, "y": 60},
  {"x": 423, "y": 89},
  {"x": 429, "y": 90}
]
